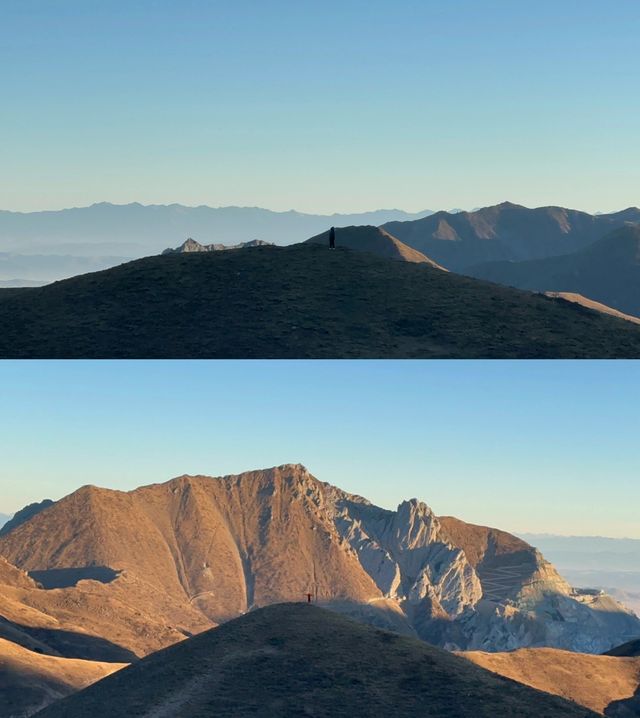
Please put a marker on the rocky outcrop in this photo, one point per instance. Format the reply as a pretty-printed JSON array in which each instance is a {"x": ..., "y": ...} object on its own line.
[{"x": 190, "y": 245}]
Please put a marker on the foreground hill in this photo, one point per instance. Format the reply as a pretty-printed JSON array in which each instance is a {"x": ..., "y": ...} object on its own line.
[
  {"x": 30, "y": 681},
  {"x": 376, "y": 241},
  {"x": 197, "y": 551},
  {"x": 608, "y": 271},
  {"x": 507, "y": 232},
  {"x": 302, "y": 301},
  {"x": 295, "y": 659},
  {"x": 603, "y": 684}
]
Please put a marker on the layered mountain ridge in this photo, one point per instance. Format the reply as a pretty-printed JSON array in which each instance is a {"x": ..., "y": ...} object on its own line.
[
  {"x": 506, "y": 232},
  {"x": 199, "y": 550},
  {"x": 607, "y": 271}
]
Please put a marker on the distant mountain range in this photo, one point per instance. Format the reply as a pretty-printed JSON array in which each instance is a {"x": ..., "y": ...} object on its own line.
[
  {"x": 506, "y": 232},
  {"x": 609, "y": 564},
  {"x": 3, "y": 519},
  {"x": 45, "y": 246}
]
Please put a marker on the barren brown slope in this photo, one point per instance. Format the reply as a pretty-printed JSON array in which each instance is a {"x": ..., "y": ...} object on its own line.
[
  {"x": 596, "y": 682},
  {"x": 302, "y": 301},
  {"x": 374, "y": 240},
  {"x": 493, "y": 553},
  {"x": 591, "y": 304},
  {"x": 219, "y": 546},
  {"x": 90, "y": 621},
  {"x": 30, "y": 681},
  {"x": 295, "y": 659}
]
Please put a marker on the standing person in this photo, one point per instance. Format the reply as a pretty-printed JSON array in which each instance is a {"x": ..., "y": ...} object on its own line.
[{"x": 332, "y": 238}]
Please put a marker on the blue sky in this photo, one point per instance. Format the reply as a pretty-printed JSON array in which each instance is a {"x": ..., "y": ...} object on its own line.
[
  {"x": 340, "y": 105},
  {"x": 526, "y": 446}
]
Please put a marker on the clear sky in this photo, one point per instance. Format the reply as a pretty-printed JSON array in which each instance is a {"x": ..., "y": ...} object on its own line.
[
  {"x": 339, "y": 105},
  {"x": 525, "y": 446}
]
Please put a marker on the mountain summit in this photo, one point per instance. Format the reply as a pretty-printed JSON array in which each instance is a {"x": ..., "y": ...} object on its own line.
[{"x": 376, "y": 241}]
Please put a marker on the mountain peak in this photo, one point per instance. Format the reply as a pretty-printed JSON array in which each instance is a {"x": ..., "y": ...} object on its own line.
[
  {"x": 206, "y": 549},
  {"x": 376, "y": 240}
]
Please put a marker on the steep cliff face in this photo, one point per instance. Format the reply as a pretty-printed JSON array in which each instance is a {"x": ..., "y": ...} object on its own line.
[{"x": 196, "y": 551}]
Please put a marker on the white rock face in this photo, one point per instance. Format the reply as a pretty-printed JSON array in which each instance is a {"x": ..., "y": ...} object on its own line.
[
  {"x": 406, "y": 555},
  {"x": 511, "y": 598}
]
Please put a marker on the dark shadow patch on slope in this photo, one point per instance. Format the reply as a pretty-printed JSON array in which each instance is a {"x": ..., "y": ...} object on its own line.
[
  {"x": 69, "y": 577},
  {"x": 68, "y": 644}
]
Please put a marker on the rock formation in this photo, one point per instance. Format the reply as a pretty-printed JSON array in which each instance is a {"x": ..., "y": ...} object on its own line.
[
  {"x": 190, "y": 245},
  {"x": 198, "y": 551}
]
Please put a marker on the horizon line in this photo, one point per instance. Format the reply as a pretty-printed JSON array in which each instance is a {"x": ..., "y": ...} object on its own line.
[{"x": 425, "y": 212}]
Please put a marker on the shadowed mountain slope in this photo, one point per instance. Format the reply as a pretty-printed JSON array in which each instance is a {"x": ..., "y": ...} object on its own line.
[
  {"x": 30, "y": 681},
  {"x": 374, "y": 240},
  {"x": 629, "y": 649},
  {"x": 294, "y": 659},
  {"x": 91, "y": 620},
  {"x": 608, "y": 271},
  {"x": 603, "y": 684},
  {"x": 506, "y": 232},
  {"x": 197, "y": 551},
  {"x": 24, "y": 515},
  {"x": 302, "y": 301}
]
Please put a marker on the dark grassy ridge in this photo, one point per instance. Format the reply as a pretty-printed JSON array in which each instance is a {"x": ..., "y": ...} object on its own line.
[
  {"x": 302, "y": 301},
  {"x": 299, "y": 660}
]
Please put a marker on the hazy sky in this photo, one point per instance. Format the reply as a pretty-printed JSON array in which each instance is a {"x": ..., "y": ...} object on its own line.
[
  {"x": 339, "y": 105},
  {"x": 526, "y": 446}
]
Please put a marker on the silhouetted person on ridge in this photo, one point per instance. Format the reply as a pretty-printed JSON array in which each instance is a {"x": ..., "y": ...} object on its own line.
[{"x": 332, "y": 238}]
